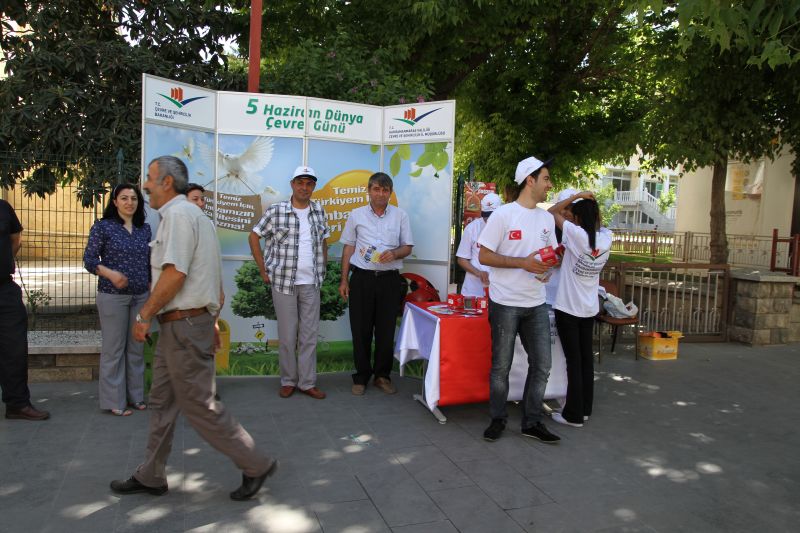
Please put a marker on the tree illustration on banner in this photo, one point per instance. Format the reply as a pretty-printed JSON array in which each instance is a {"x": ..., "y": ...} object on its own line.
[{"x": 254, "y": 297}]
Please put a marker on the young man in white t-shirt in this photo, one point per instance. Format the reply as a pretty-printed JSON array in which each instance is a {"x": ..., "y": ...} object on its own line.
[
  {"x": 477, "y": 275},
  {"x": 509, "y": 244},
  {"x": 294, "y": 262}
]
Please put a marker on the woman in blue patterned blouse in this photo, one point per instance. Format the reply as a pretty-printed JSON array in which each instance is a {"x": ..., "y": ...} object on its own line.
[{"x": 118, "y": 252}]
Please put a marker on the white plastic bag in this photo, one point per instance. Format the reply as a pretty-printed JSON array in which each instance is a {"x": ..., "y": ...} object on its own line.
[{"x": 615, "y": 307}]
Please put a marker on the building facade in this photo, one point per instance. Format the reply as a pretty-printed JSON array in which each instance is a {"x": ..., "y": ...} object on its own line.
[{"x": 637, "y": 192}]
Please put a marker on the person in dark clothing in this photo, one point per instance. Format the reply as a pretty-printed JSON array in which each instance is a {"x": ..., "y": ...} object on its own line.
[{"x": 13, "y": 325}]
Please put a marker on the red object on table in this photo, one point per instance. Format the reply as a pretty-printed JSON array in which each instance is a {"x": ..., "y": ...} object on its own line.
[
  {"x": 465, "y": 357},
  {"x": 455, "y": 301}
]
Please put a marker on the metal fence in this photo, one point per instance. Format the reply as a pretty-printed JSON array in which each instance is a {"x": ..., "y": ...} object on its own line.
[
  {"x": 690, "y": 247},
  {"x": 57, "y": 290},
  {"x": 691, "y": 298}
]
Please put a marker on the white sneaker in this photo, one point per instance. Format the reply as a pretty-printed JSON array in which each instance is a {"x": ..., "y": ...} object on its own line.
[
  {"x": 585, "y": 418},
  {"x": 561, "y": 420}
]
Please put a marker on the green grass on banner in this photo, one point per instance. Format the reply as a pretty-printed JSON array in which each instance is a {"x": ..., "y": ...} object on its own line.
[{"x": 332, "y": 356}]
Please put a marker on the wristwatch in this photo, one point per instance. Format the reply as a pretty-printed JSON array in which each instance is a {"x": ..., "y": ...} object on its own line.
[{"x": 140, "y": 320}]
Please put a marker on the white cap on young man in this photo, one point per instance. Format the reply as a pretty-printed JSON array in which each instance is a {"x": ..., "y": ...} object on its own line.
[{"x": 528, "y": 166}]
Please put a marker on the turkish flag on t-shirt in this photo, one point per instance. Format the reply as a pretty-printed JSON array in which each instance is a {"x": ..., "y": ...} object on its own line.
[{"x": 515, "y": 235}]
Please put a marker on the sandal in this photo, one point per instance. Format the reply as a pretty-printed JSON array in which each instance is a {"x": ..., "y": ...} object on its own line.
[
  {"x": 139, "y": 406},
  {"x": 120, "y": 412}
]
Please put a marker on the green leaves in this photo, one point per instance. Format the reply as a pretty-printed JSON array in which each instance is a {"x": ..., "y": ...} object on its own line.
[
  {"x": 433, "y": 154},
  {"x": 608, "y": 207},
  {"x": 394, "y": 164},
  {"x": 401, "y": 153},
  {"x": 765, "y": 31},
  {"x": 73, "y": 91},
  {"x": 341, "y": 65}
]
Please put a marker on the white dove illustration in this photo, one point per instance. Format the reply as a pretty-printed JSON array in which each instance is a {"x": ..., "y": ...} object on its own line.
[
  {"x": 187, "y": 151},
  {"x": 270, "y": 196},
  {"x": 236, "y": 174}
]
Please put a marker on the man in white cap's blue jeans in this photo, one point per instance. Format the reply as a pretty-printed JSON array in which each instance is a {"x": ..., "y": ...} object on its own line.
[{"x": 293, "y": 263}]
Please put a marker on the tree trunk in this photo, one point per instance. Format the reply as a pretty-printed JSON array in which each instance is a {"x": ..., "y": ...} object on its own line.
[{"x": 719, "y": 237}]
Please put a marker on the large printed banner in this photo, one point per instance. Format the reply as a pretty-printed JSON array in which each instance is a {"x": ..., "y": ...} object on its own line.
[{"x": 243, "y": 147}]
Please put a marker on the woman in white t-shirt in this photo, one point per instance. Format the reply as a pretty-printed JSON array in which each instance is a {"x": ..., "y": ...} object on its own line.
[
  {"x": 587, "y": 247},
  {"x": 551, "y": 286}
]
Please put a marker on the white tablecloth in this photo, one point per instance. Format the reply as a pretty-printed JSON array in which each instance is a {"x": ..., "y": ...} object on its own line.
[{"x": 419, "y": 339}]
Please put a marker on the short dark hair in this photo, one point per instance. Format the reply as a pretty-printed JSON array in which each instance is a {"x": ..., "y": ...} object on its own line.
[
  {"x": 111, "y": 212},
  {"x": 194, "y": 187},
  {"x": 382, "y": 180}
]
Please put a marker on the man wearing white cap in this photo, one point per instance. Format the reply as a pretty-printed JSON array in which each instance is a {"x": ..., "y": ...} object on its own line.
[
  {"x": 477, "y": 275},
  {"x": 293, "y": 262},
  {"x": 513, "y": 236}
]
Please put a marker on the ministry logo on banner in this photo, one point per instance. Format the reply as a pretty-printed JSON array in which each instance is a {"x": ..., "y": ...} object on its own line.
[
  {"x": 410, "y": 116},
  {"x": 419, "y": 123},
  {"x": 176, "y": 97},
  {"x": 179, "y": 104}
]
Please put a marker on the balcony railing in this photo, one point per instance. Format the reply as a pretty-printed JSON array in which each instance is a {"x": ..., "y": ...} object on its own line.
[{"x": 627, "y": 198}]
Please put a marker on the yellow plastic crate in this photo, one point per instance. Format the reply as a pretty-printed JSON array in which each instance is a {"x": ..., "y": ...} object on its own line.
[{"x": 659, "y": 349}]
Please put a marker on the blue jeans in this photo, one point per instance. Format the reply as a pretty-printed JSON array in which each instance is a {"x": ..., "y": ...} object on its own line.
[{"x": 533, "y": 326}]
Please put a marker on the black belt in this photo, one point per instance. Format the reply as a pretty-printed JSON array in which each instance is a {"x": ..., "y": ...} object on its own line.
[{"x": 376, "y": 273}]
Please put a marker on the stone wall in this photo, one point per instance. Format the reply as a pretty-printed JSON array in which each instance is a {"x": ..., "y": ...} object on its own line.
[
  {"x": 763, "y": 308},
  {"x": 794, "y": 317},
  {"x": 63, "y": 363}
]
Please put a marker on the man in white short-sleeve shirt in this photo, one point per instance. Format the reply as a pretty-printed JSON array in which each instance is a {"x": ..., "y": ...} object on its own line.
[
  {"x": 294, "y": 262},
  {"x": 510, "y": 243},
  {"x": 477, "y": 275},
  {"x": 376, "y": 238},
  {"x": 186, "y": 273}
]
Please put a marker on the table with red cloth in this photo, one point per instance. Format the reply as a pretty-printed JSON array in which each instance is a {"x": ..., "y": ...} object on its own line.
[{"x": 458, "y": 351}]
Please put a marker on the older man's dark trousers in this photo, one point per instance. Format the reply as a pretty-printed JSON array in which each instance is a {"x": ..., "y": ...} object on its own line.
[
  {"x": 374, "y": 304},
  {"x": 13, "y": 346}
]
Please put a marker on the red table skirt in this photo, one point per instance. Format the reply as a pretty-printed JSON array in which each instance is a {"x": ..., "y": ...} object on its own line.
[{"x": 465, "y": 358}]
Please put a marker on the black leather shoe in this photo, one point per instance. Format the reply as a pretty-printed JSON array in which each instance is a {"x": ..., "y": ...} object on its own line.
[
  {"x": 251, "y": 485},
  {"x": 132, "y": 486},
  {"x": 28, "y": 412}
]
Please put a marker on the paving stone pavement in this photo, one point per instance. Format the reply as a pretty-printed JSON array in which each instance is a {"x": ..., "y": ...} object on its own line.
[{"x": 705, "y": 443}]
